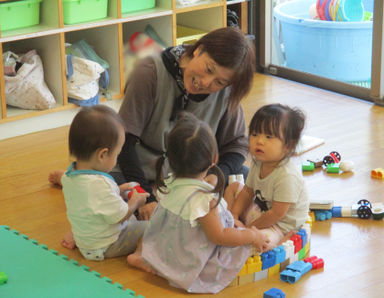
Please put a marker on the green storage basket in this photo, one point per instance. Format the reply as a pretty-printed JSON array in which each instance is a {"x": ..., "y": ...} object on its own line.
[
  {"x": 79, "y": 11},
  {"x": 135, "y": 5},
  {"x": 19, "y": 14}
]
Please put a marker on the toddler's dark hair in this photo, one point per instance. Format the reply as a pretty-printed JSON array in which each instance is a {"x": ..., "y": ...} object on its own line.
[
  {"x": 93, "y": 128},
  {"x": 191, "y": 150},
  {"x": 281, "y": 121}
]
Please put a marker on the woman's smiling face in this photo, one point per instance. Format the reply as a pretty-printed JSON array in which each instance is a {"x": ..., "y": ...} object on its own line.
[{"x": 202, "y": 75}]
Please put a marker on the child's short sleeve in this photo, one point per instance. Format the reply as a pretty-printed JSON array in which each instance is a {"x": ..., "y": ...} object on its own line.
[
  {"x": 199, "y": 207},
  {"x": 109, "y": 204}
]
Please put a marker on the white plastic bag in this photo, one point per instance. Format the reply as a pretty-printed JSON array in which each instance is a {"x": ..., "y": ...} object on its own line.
[
  {"x": 27, "y": 90},
  {"x": 83, "y": 80}
]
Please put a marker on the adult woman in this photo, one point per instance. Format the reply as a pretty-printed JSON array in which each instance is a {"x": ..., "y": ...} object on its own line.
[{"x": 207, "y": 79}]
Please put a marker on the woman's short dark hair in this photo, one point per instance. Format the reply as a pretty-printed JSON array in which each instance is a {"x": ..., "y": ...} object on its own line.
[
  {"x": 93, "y": 128},
  {"x": 280, "y": 121},
  {"x": 229, "y": 48}
]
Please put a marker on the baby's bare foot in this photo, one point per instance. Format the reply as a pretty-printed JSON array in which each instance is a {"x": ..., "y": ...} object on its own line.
[
  {"x": 68, "y": 241},
  {"x": 55, "y": 177},
  {"x": 137, "y": 261}
]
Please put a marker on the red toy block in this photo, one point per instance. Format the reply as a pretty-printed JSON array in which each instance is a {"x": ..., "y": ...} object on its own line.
[
  {"x": 315, "y": 261},
  {"x": 138, "y": 189},
  {"x": 297, "y": 242}
]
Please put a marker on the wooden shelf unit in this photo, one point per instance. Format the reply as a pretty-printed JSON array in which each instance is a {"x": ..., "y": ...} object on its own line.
[{"x": 107, "y": 37}]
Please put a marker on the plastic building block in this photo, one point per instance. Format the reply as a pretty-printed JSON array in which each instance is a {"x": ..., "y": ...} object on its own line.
[
  {"x": 290, "y": 276},
  {"x": 315, "y": 261},
  {"x": 333, "y": 168},
  {"x": 274, "y": 270},
  {"x": 3, "y": 278},
  {"x": 289, "y": 249},
  {"x": 254, "y": 264},
  {"x": 300, "y": 266},
  {"x": 246, "y": 279},
  {"x": 308, "y": 166},
  {"x": 377, "y": 173},
  {"x": 35, "y": 267},
  {"x": 128, "y": 193},
  {"x": 274, "y": 293},
  {"x": 294, "y": 271},
  {"x": 260, "y": 275},
  {"x": 301, "y": 253},
  {"x": 303, "y": 235},
  {"x": 322, "y": 215},
  {"x": 268, "y": 259},
  {"x": 297, "y": 242},
  {"x": 280, "y": 254},
  {"x": 363, "y": 209}
]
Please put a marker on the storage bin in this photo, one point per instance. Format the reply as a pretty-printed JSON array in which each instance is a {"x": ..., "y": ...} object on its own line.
[
  {"x": 188, "y": 35},
  {"x": 337, "y": 50},
  {"x": 135, "y": 5},
  {"x": 79, "y": 11},
  {"x": 19, "y": 14}
]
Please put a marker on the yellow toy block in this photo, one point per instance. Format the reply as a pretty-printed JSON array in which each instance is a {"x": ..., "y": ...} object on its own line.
[
  {"x": 311, "y": 218},
  {"x": 274, "y": 270},
  {"x": 254, "y": 264},
  {"x": 306, "y": 247},
  {"x": 377, "y": 173},
  {"x": 243, "y": 271}
]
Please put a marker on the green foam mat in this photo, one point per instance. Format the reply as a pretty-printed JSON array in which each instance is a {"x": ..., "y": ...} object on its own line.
[{"x": 35, "y": 271}]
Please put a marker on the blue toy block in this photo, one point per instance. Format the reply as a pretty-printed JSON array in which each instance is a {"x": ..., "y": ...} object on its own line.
[
  {"x": 290, "y": 276},
  {"x": 294, "y": 271},
  {"x": 304, "y": 237},
  {"x": 322, "y": 215},
  {"x": 268, "y": 258},
  {"x": 336, "y": 211},
  {"x": 274, "y": 293},
  {"x": 300, "y": 266},
  {"x": 280, "y": 254}
]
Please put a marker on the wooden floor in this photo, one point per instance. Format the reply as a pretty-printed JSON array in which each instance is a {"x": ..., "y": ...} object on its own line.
[{"x": 351, "y": 248}]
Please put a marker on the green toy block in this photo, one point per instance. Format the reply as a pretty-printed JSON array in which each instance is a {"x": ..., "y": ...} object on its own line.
[
  {"x": 302, "y": 253},
  {"x": 308, "y": 166},
  {"x": 333, "y": 168}
]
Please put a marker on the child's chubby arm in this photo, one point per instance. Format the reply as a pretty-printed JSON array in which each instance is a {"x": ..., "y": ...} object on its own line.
[
  {"x": 272, "y": 216},
  {"x": 219, "y": 235},
  {"x": 136, "y": 201},
  {"x": 242, "y": 202}
]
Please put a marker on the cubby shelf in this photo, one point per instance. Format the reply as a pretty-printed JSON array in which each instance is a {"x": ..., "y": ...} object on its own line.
[{"x": 107, "y": 36}]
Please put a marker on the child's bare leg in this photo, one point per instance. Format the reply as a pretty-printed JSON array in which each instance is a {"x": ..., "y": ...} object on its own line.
[
  {"x": 55, "y": 177},
  {"x": 68, "y": 241},
  {"x": 137, "y": 261},
  {"x": 231, "y": 193}
]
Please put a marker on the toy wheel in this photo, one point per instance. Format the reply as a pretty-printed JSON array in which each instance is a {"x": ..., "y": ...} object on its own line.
[
  {"x": 338, "y": 156},
  {"x": 364, "y": 203},
  {"x": 364, "y": 212},
  {"x": 327, "y": 160}
]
